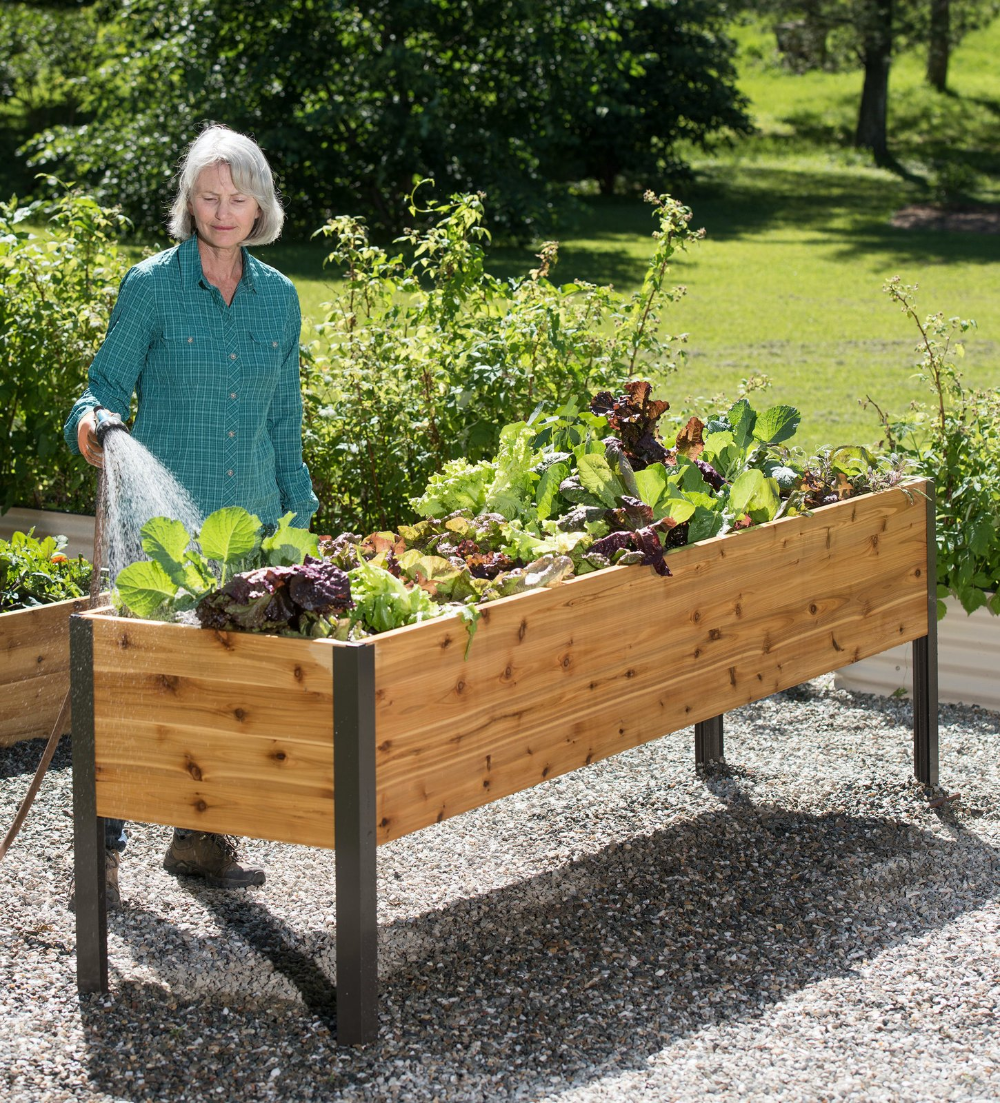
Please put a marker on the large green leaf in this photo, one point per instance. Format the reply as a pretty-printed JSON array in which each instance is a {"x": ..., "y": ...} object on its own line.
[
  {"x": 229, "y": 534},
  {"x": 288, "y": 545},
  {"x": 658, "y": 489},
  {"x": 754, "y": 493},
  {"x": 547, "y": 490},
  {"x": 776, "y": 424},
  {"x": 742, "y": 418},
  {"x": 165, "y": 541},
  {"x": 597, "y": 477},
  {"x": 144, "y": 587}
]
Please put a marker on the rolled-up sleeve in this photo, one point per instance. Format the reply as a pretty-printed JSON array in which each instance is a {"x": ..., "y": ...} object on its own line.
[
  {"x": 113, "y": 373},
  {"x": 284, "y": 425}
]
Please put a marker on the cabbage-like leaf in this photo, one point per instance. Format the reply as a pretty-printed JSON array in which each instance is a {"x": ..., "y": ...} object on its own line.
[
  {"x": 166, "y": 542},
  {"x": 658, "y": 487},
  {"x": 753, "y": 493},
  {"x": 776, "y": 424},
  {"x": 143, "y": 587},
  {"x": 742, "y": 421},
  {"x": 288, "y": 545},
  {"x": 229, "y": 534}
]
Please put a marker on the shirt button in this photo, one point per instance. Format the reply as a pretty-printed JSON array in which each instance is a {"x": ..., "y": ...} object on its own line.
[
  {"x": 232, "y": 394},
  {"x": 232, "y": 356},
  {"x": 231, "y": 433},
  {"x": 229, "y": 472},
  {"x": 190, "y": 340},
  {"x": 274, "y": 344}
]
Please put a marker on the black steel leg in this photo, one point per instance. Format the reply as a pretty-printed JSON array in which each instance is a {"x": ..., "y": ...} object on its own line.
[
  {"x": 925, "y": 671},
  {"x": 708, "y": 745},
  {"x": 88, "y": 827},
  {"x": 354, "y": 825}
]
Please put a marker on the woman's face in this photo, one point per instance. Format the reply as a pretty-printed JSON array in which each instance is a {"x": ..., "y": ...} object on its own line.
[{"x": 223, "y": 216}]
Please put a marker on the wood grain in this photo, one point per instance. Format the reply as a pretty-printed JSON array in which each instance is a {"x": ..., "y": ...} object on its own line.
[
  {"x": 557, "y": 679},
  {"x": 34, "y": 669},
  {"x": 226, "y": 732}
]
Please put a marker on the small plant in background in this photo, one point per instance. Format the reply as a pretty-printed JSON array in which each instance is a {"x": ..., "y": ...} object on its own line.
[
  {"x": 415, "y": 358},
  {"x": 56, "y": 295},
  {"x": 38, "y": 572},
  {"x": 956, "y": 442}
]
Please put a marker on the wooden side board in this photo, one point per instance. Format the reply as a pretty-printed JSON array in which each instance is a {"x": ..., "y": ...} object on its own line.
[
  {"x": 34, "y": 669},
  {"x": 216, "y": 731},
  {"x": 561, "y": 678}
]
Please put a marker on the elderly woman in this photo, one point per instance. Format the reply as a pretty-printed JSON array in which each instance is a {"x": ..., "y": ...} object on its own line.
[{"x": 207, "y": 339}]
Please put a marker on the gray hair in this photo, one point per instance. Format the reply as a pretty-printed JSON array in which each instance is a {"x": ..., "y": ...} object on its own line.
[{"x": 251, "y": 174}]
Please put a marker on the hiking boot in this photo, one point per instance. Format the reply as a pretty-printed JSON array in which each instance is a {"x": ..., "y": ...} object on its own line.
[
  {"x": 210, "y": 857},
  {"x": 112, "y": 894}
]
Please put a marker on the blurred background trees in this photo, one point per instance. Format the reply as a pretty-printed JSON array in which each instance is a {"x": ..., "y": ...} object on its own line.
[{"x": 352, "y": 100}]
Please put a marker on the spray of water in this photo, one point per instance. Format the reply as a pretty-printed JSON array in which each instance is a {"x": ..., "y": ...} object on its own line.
[{"x": 137, "y": 487}]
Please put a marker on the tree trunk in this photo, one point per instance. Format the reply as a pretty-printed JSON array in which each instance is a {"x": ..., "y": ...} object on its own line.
[
  {"x": 877, "y": 54},
  {"x": 939, "y": 44}
]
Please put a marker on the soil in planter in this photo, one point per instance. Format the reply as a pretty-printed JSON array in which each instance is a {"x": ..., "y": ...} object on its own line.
[{"x": 137, "y": 488}]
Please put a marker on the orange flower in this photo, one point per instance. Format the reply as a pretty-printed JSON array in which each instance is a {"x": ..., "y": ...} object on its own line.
[{"x": 59, "y": 558}]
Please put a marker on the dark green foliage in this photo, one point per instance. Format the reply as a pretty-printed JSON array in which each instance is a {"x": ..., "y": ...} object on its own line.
[
  {"x": 351, "y": 100},
  {"x": 418, "y": 364},
  {"x": 36, "y": 572},
  {"x": 56, "y": 295}
]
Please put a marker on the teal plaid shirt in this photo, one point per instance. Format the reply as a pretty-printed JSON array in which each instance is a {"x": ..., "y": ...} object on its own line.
[{"x": 217, "y": 387}]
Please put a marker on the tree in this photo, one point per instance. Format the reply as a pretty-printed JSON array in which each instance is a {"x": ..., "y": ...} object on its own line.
[
  {"x": 949, "y": 21},
  {"x": 869, "y": 33},
  {"x": 352, "y": 100}
]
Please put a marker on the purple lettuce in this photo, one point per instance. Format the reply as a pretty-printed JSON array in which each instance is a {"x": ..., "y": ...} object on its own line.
[{"x": 273, "y": 598}]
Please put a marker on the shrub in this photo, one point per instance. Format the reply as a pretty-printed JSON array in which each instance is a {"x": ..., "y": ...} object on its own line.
[
  {"x": 56, "y": 295},
  {"x": 423, "y": 361},
  {"x": 956, "y": 442}
]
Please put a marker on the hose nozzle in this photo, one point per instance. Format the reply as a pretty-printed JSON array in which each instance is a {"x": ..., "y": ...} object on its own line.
[{"x": 106, "y": 422}]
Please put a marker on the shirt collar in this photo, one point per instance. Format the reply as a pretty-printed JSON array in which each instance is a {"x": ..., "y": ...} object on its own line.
[{"x": 190, "y": 264}]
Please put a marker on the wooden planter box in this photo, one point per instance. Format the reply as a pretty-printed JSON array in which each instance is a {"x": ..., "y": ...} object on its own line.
[
  {"x": 968, "y": 648},
  {"x": 34, "y": 668},
  {"x": 253, "y": 735},
  {"x": 78, "y": 528}
]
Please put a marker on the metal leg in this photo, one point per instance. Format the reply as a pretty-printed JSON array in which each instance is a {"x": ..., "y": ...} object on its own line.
[
  {"x": 88, "y": 827},
  {"x": 925, "y": 671},
  {"x": 354, "y": 825},
  {"x": 708, "y": 746}
]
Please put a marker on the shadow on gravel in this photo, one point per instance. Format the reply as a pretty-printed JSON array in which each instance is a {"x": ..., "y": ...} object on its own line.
[
  {"x": 561, "y": 977},
  {"x": 21, "y": 759}
]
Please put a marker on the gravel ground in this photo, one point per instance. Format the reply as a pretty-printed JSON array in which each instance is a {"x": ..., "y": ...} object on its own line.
[{"x": 800, "y": 924}]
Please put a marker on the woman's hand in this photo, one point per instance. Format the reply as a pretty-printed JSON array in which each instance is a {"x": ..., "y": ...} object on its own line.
[{"x": 86, "y": 439}]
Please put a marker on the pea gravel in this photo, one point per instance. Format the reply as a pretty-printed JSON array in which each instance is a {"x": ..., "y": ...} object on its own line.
[{"x": 799, "y": 924}]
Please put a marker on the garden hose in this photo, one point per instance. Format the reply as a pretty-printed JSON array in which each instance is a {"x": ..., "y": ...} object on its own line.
[{"x": 105, "y": 424}]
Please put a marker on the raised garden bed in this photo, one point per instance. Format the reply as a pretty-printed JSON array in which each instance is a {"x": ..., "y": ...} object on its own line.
[
  {"x": 253, "y": 735},
  {"x": 34, "y": 668}
]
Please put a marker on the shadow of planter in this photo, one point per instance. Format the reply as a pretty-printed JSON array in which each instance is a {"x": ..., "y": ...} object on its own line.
[{"x": 593, "y": 966}]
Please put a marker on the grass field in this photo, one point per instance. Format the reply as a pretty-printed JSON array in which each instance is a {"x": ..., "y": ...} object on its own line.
[{"x": 799, "y": 242}]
